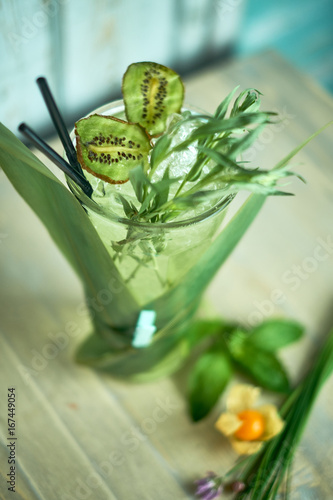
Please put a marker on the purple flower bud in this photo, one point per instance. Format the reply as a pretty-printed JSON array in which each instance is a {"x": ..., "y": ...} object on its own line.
[
  {"x": 210, "y": 495},
  {"x": 209, "y": 487},
  {"x": 204, "y": 480},
  {"x": 206, "y": 487}
]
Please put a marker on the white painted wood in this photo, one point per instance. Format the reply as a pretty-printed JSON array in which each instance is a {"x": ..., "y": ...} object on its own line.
[
  {"x": 28, "y": 49},
  {"x": 84, "y": 48}
]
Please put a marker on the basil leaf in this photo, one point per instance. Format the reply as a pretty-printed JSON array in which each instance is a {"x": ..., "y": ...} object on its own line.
[
  {"x": 261, "y": 365},
  {"x": 274, "y": 334},
  {"x": 201, "y": 329},
  {"x": 208, "y": 380}
]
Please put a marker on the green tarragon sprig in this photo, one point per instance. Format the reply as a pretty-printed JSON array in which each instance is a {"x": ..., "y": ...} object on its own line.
[
  {"x": 157, "y": 137},
  {"x": 219, "y": 140},
  {"x": 140, "y": 149}
]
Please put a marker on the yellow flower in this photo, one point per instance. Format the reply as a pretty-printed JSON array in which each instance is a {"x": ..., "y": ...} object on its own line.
[{"x": 247, "y": 427}]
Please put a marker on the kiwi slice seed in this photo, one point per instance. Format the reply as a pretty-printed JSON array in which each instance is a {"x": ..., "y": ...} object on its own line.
[
  {"x": 151, "y": 93},
  {"x": 109, "y": 148}
]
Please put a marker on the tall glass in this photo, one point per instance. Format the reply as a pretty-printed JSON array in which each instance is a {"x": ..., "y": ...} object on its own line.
[{"x": 154, "y": 261}]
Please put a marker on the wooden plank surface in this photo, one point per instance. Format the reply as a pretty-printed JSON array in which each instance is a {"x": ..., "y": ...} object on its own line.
[{"x": 84, "y": 435}]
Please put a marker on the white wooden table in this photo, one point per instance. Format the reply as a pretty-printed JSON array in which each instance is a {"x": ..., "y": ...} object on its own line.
[{"x": 83, "y": 435}]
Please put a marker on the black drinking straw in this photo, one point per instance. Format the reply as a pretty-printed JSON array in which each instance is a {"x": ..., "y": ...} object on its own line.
[
  {"x": 79, "y": 179},
  {"x": 59, "y": 123}
]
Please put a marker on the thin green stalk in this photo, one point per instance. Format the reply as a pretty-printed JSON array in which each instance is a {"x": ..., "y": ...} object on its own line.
[{"x": 276, "y": 458}]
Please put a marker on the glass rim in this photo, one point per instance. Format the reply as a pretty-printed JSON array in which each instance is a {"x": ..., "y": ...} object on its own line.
[{"x": 90, "y": 204}]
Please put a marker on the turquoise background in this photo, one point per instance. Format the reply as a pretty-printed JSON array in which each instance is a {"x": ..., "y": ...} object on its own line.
[{"x": 301, "y": 30}]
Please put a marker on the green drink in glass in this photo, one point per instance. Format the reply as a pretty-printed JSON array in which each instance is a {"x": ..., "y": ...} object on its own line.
[
  {"x": 163, "y": 175},
  {"x": 152, "y": 259},
  {"x": 148, "y": 240}
]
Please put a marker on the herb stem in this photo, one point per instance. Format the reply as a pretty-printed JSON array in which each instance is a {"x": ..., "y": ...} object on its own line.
[{"x": 265, "y": 472}]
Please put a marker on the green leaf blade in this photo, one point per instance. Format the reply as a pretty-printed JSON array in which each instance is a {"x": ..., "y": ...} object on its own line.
[
  {"x": 137, "y": 178},
  {"x": 262, "y": 366},
  {"x": 281, "y": 164},
  {"x": 275, "y": 334},
  {"x": 199, "y": 330},
  {"x": 208, "y": 380},
  {"x": 72, "y": 231},
  {"x": 127, "y": 207},
  {"x": 159, "y": 151},
  {"x": 204, "y": 270},
  {"x": 222, "y": 108},
  {"x": 238, "y": 122}
]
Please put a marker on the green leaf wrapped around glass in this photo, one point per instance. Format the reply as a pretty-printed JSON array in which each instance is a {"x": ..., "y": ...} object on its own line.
[{"x": 150, "y": 238}]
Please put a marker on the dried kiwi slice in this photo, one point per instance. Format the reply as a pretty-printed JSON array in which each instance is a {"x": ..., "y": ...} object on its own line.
[
  {"x": 151, "y": 93},
  {"x": 109, "y": 148}
]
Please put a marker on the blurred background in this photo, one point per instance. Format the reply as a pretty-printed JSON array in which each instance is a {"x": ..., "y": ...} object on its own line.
[{"x": 84, "y": 47}]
